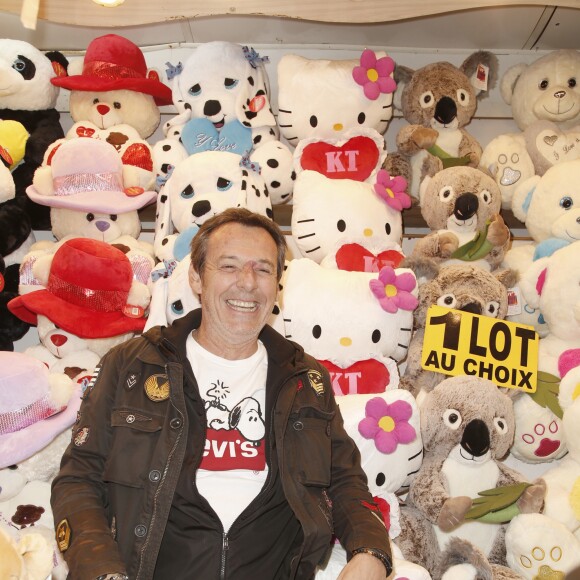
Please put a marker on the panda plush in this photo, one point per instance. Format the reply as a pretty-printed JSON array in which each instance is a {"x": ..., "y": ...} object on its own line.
[{"x": 28, "y": 96}]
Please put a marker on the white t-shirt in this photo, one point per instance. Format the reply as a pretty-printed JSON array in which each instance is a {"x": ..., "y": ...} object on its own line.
[{"x": 233, "y": 469}]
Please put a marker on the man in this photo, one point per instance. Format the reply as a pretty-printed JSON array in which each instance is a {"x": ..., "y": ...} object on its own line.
[{"x": 214, "y": 448}]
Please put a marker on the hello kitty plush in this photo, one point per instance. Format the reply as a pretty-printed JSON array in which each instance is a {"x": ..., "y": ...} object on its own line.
[
  {"x": 386, "y": 429},
  {"x": 357, "y": 324},
  {"x": 346, "y": 224}
]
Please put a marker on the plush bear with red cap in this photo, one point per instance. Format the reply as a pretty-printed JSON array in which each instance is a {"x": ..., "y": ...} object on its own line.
[
  {"x": 27, "y": 96},
  {"x": 114, "y": 88}
]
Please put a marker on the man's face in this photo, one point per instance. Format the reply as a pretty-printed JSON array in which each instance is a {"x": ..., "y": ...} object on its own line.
[{"x": 238, "y": 289}]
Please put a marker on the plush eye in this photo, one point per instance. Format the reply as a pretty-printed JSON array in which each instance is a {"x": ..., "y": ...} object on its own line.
[
  {"x": 447, "y": 301},
  {"x": 452, "y": 419},
  {"x": 426, "y": 100},
  {"x": 485, "y": 196},
  {"x": 571, "y": 83},
  {"x": 313, "y": 121},
  {"x": 187, "y": 193},
  {"x": 376, "y": 336},
  {"x": 224, "y": 184},
  {"x": 341, "y": 225},
  {"x": 117, "y": 105},
  {"x": 361, "y": 118},
  {"x": 566, "y": 202},
  {"x": 446, "y": 194},
  {"x": 113, "y": 217},
  {"x": 177, "y": 307},
  {"x": 19, "y": 65},
  {"x": 463, "y": 97},
  {"x": 388, "y": 228},
  {"x": 380, "y": 479},
  {"x": 195, "y": 90},
  {"x": 501, "y": 425},
  {"x": 230, "y": 83},
  {"x": 316, "y": 331},
  {"x": 543, "y": 84},
  {"x": 492, "y": 309},
  {"x": 90, "y": 217},
  {"x": 24, "y": 67},
  {"x": 95, "y": 101}
]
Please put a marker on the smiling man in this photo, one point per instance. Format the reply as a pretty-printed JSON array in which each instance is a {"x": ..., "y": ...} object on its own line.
[{"x": 239, "y": 467}]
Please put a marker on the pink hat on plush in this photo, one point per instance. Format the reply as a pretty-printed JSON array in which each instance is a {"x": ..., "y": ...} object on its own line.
[
  {"x": 86, "y": 175},
  {"x": 35, "y": 406}
]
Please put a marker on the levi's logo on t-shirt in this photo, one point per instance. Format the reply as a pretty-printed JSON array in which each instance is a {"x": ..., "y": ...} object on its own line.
[{"x": 228, "y": 449}]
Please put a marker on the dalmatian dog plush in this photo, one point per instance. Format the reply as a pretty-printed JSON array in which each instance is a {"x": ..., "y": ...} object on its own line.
[
  {"x": 348, "y": 322},
  {"x": 467, "y": 426},
  {"x": 27, "y": 96},
  {"x": 346, "y": 224},
  {"x": 461, "y": 205},
  {"x": 438, "y": 101},
  {"x": 458, "y": 286},
  {"x": 227, "y": 85}
]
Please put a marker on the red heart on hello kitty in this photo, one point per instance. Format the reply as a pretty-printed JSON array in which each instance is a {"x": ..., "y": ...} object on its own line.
[
  {"x": 363, "y": 377},
  {"x": 85, "y": 131},
  {"x": 356, "y": 258},
  {"x": 355, "y": 160}
]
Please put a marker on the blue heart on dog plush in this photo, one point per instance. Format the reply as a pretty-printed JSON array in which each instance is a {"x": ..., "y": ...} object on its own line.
[{"x": 200, "y": 135}]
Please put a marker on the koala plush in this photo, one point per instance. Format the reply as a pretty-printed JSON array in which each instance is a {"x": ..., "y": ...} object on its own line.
[
  {"x": 438, "y": 101},
  {"x": 462, "y": 287},
  {"x": 461, "y": 205},
  {"x": 467, "y": 425}
]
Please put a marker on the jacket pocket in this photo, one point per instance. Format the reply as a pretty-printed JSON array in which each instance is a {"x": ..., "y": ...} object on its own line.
[
  {"x": 135, "y": 436},
  {"x": 311, "y": 445}
]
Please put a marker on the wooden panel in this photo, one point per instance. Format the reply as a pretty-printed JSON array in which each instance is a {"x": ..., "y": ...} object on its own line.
[{"x": 136, "y": 12}]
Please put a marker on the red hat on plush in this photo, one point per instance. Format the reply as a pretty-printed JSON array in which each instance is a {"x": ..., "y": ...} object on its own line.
[
  {"x": 88, "y": 292},
  {"x": 112, "y": 63}
]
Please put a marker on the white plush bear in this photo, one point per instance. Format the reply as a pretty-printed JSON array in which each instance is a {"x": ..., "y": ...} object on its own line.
[
  {"x": 387, "y": 431},
  {"x": 346, "y": 224},
  {"x": 227, "y": 86},
  {"x": 114, "y": 87},
  {"x": 29, "y": 558},
  {"x": 357, "y": 324},
  {"x": 200, "y": 187}
]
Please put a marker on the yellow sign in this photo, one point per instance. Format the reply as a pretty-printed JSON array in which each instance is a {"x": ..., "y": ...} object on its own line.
[{"x": 461, "y": 343}]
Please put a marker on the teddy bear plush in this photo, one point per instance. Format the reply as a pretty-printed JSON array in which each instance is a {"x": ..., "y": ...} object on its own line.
[
  {"x": 438, "y": 101},
  {"x": 115, "y": 87},
  {"x": 386, "y": 429},
  {"x": 347, "y": 224},
  {"x": 544, "y": 99},
  {"x": 29, "y": 559},
  {"x": 458, "y": 286},
  {"x": 358, "y": 324},
  {"x": 467, "y": 426},
  {"x": 222, "y": 94},
  {"x": 29, "y": 98},
  {"x": 77, "y": 328},
  {"x": 461, "y": 206}
]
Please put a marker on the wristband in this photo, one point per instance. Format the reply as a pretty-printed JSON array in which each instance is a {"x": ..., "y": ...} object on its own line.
[{"x": 382, "y": 556}]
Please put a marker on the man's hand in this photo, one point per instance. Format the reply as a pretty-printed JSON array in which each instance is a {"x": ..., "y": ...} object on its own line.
[{"x": 363, "y": 566}]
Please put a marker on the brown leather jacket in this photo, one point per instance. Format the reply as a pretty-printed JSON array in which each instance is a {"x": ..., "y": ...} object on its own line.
[{"x": 119, "y": 474}]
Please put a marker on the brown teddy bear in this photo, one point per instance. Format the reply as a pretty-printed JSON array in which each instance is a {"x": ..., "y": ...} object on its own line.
[
  {"x": 438, "y": 101},
  {"x": 462, "y": 287},
  {"x": 461, "y": 206}
]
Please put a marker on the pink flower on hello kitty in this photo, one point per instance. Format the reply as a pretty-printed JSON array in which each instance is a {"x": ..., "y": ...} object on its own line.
[
  {"x": 374, "y": 74},
  {"x": 394, "y": 291},
  {"x": 393, "y": 190}
]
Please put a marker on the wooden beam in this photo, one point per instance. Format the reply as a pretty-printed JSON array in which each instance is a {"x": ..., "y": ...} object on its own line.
[{"x": 138, "y": 12}]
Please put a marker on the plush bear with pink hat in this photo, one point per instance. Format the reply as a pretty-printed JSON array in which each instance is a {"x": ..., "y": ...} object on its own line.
[
  {"x": 90, "y": 303},
  {"x": 92, "y": 194},
  {"x": 115, "y": 87},
  {"x": 37, "y": 408}
]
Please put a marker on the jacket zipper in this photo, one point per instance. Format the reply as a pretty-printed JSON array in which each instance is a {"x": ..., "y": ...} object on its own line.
[{"x": 225, "y": 548}]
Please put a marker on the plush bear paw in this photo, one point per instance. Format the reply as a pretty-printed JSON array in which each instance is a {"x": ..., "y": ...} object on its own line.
[
  {"x": 453, "y": 512},
  {"x": 425, "y": 137},
  {"x": 498, "y": 233},
  {"x": 448, "y": 243},
  {"x": 532, "y": 500}
]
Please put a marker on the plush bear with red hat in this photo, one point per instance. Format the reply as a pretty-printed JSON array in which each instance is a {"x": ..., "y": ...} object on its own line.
[
  {"x": 92, "y": 194},
  {"x": 90, "y": 303},
  {"x": 115, "y": 87},
  {"x": 27, "y": 96}
]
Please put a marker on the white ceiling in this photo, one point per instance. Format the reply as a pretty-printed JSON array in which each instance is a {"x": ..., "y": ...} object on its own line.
[{"x": 510, "y": 28}]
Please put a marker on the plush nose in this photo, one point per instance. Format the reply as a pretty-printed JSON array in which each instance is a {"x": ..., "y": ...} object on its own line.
[
  {"x": 200, "y": 208},
  {"x": 560, "y": 94},
  {"x": 102, "y": 226},
  {"x": 445, "y": 111},
  {"x": 466, "y": 206},
  {"x": 472, "y": 307},
  {"x": 211, "y": 108},
  {"x": 475, "y": 438},
  {"x": 58, "y": 339},
  {"x": 103, "y": 109}
]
